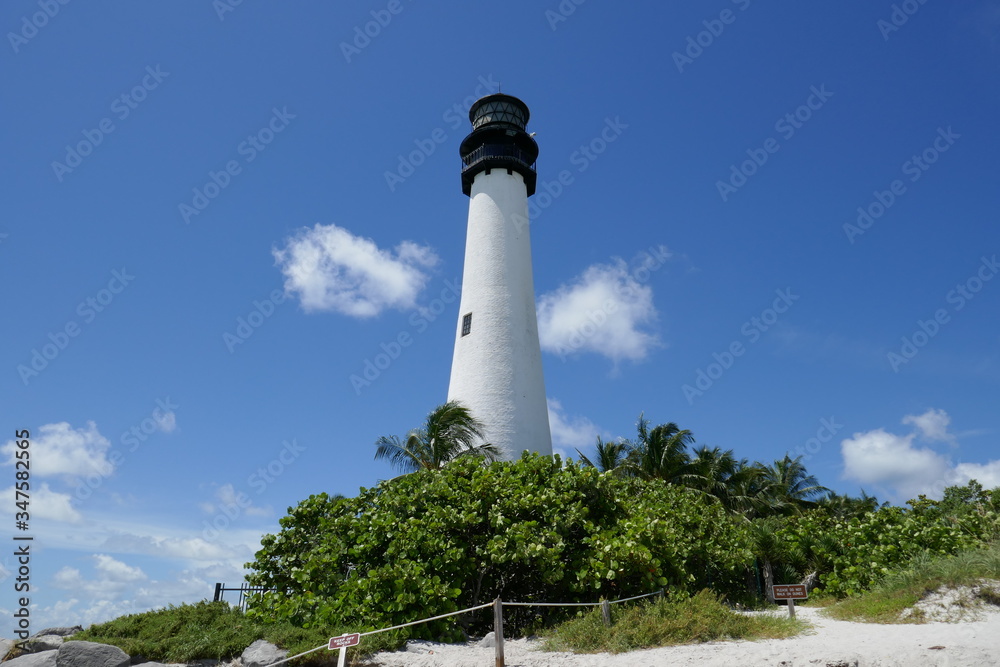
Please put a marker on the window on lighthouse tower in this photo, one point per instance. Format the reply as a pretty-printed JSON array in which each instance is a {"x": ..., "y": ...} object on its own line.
[{"x": 467, "y": 324}]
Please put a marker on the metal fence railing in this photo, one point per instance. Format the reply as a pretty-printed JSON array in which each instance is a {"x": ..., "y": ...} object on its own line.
[{"x": 244, "y": 590}]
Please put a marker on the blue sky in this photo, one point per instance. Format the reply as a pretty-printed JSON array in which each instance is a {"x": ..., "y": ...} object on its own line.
[{"x": 773, "y": 225}]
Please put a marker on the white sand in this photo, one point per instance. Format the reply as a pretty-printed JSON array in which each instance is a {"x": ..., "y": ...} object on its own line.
[{"x": 830, "y": 643}]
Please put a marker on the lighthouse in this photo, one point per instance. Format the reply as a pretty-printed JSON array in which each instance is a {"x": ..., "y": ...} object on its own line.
[{"x": 496, "y": 370}]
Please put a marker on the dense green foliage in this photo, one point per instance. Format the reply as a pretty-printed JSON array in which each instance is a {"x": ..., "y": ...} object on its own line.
[
  {"x": 532, "y": 530},
  {"x": 646, "y": 514},
  {"x": 850, "y": 555},
  {"x": 925, "y": 574},
  {"x": 679, "y": 619}
]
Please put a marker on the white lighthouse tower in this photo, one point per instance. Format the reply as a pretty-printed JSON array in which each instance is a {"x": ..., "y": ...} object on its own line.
[{"x": 496, "y": 371}]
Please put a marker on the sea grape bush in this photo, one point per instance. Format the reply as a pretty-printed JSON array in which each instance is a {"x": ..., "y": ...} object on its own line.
[
  {"x": 850, "y": 556},
  {"x": 541, "y": 529},
  {"x": 537, "y": 529}
]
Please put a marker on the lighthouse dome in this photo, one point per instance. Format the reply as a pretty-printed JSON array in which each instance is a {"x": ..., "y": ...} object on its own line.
[{"x": 499, "y": 109}]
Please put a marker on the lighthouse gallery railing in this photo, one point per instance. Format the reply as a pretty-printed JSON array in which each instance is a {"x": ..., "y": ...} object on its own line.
[{"x": 497, "y": 152}]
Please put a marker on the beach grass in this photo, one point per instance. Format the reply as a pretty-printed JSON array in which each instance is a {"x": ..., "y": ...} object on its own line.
[
  {"x": 901, "y": 590},
  {"x": 214, "y": 630},
  {"x": 668, "y": 622}
]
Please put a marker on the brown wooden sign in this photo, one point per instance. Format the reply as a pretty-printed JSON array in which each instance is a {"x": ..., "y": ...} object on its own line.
[
  {"x": 343, "y": 641},
  {"x": 789, "y": 592}
]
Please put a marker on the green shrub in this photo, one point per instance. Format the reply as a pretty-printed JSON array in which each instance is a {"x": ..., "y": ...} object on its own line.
[
  {"x": 926, "y": 573},
  {"x": 434, "y": 542},
  {"x": 850, "y": 556},
  {"x": 196, "y": 631},
  {"x": 676, "y": 620}
]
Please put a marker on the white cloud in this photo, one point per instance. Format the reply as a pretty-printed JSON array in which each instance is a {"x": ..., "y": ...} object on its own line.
[
  {"x": 190, "y": 548},
  {"x": 45, "y": 504},
  {"x": 987, "y": 474},
  {"x": 113, "y": 578},
  {"x": 116, "y": 570},
  {"x": 59, "y": 449},
  {"x": 234, "y": 501},
  {"x": 102, "y": 577},
  {"x": 603, "y": 311},
  {"x": 116, "y": 588},
  {"x": 892, "y": 461},
  {"x": 899, "y": 466},
  {"x": 933, "y": 425},
  {"x": 165, "y": 421},
  {"x": 569, "y": 433},
  {"x": 332, "y": 270}
]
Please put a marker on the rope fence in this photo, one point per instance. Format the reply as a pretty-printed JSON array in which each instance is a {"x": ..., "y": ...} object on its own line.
[
  {"x": 426, "y": 620},
  {"x": 498, "y": 606},
  {"x": 579, "y": 604}
]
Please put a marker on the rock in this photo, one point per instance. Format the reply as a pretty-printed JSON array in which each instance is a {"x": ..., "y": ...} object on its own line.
[
  {"x": 262, "y": 653},
  {"x": 38, "y": 643},
  {"x": 489, "y": 641},
  {"x": 62, "y": 631},
  {"x": 43, "y": 659},
  {"x": 5, "y": 646},
  {"x": 90, "y": 654}
]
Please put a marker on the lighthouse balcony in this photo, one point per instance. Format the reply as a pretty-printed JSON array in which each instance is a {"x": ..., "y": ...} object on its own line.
[{"x": 499, "y": 156}]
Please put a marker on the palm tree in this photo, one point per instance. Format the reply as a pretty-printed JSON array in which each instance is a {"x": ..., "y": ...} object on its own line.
[
  {"x": 789, "y": 486},
  {"x": 846, "y": 506},
  {"x": 659, "y": 452},
  {"x": 768, "y": 549},
  {"x": 610, "y": 456},
  {"x": 449, "y": 432},
  {"x": 720, "y": 474}
]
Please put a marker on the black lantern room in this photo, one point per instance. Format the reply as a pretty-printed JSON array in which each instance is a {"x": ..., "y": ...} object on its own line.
[{"x": 498, "y": 141}]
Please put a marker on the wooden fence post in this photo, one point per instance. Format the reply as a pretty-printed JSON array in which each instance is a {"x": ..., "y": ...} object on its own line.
[
  {"x": 606, "y": 612},
  {"x": 498, "y": 631}
]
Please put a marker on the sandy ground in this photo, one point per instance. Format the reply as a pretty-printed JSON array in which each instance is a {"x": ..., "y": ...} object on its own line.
[{"x": 833, "y": 643}]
